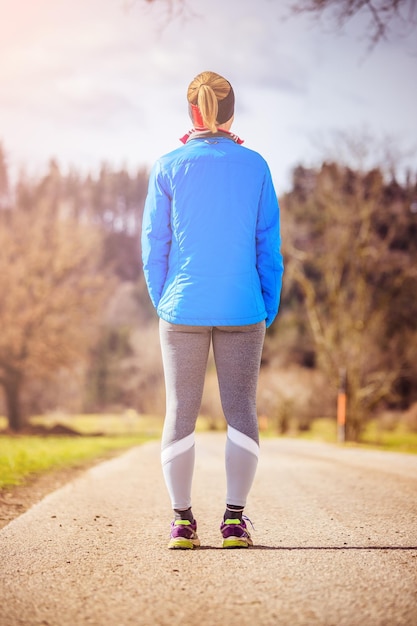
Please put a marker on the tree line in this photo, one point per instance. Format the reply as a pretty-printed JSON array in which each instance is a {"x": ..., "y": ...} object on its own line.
[{"x": 79, "y": 333}]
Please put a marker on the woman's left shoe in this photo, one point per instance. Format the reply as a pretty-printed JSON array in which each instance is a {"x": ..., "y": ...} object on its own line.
[{"x": 183, "y": 535}]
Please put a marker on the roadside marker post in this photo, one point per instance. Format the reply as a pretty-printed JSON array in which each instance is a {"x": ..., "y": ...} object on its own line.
[{"x": 341, "y": 407}]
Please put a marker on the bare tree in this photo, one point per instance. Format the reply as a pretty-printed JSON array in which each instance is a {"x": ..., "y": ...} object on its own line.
[
  {"x": 52, "y": 293},
  {"x": 339, "y": 246},
  {"x": 385, "y": 16}
]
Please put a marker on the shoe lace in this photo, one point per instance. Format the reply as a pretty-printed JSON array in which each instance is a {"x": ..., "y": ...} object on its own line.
[{"x": 246, "y": 518}]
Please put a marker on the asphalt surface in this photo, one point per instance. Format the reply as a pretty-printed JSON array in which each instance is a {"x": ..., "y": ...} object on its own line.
[{"x": 335, "y": 544}]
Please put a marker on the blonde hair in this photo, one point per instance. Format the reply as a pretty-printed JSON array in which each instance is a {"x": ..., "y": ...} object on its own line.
[{"x": 205, "y": 91}]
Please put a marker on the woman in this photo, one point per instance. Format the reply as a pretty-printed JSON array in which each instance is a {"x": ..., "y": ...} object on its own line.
[{"x": 213, "y": 267}]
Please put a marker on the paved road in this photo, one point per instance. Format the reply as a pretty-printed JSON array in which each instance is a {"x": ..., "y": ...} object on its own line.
[{"x": 336, "y": 545}]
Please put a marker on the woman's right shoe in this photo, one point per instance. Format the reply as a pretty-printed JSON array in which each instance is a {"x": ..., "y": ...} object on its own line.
[
  {"x": 235, "y": 534},
  {"x": 183, "y": 535}
]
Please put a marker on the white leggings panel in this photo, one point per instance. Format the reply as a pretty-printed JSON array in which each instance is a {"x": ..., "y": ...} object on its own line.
[
  {"x": 178, "y": 472},
  {"x": 241, "y": 463}
]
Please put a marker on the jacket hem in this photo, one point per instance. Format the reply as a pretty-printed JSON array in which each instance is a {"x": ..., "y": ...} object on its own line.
[{"x": 211, "y": 321}]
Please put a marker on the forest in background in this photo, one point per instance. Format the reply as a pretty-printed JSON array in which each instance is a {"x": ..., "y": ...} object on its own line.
[{"x": 78, "y": 332}]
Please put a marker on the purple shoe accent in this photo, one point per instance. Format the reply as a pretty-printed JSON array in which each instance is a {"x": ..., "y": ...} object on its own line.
[
  {"x": 183, "y": 535},
  {"x": 235, "y": 534}
]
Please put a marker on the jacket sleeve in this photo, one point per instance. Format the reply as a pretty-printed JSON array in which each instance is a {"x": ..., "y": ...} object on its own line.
[
  {"x": 156, "y": 235},
  {"x": 270, "y": 264}
]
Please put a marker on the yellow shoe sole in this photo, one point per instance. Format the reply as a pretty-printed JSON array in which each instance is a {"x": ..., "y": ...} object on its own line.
[
  {"x": 183, "y": 544},
  {"x": 237, "y": 542}
]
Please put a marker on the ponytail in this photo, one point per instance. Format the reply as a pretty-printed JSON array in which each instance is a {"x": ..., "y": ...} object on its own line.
[{"x": 208, "y": 105}]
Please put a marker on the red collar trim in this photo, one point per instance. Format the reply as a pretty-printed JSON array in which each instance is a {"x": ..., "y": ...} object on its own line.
[{"x": 201, "y": 131}]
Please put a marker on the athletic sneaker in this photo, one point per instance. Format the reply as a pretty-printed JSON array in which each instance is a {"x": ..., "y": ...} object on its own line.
[
  {"x": 183, "y": 535},
  {"x": 235, "y": 533}
]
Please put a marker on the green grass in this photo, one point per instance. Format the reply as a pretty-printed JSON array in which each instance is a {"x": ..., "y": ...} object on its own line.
[
  {"x": 22, "y": 456},
  {"x": 322, "y": 429},
  {"x": 398, "y": 439}
]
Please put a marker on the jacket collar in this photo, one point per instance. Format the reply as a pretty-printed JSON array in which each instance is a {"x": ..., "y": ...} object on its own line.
[{"x": 202, "y": 133}]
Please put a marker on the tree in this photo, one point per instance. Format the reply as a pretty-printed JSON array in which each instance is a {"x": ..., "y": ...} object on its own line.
[
  {"x": 350, "y": 256},
  {"x": 52, "y": 293},
  {"x": 4, "y": 180},
  {"x": 384, "y": 15}
]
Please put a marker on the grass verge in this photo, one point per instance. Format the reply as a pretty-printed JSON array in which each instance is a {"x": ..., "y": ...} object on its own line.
[
  {"x": 21, "y": 457},
  {"x": 397, "y": 439}
]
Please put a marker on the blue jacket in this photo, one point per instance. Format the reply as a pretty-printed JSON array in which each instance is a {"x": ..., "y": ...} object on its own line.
[{"x": 211, "y": 236}]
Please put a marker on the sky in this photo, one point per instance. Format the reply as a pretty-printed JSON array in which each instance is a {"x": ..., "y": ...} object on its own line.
[{"x": 88, "y": 81}]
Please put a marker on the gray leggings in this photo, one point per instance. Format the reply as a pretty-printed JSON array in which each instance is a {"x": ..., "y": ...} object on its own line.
[{"x": 237, "y": 353}]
